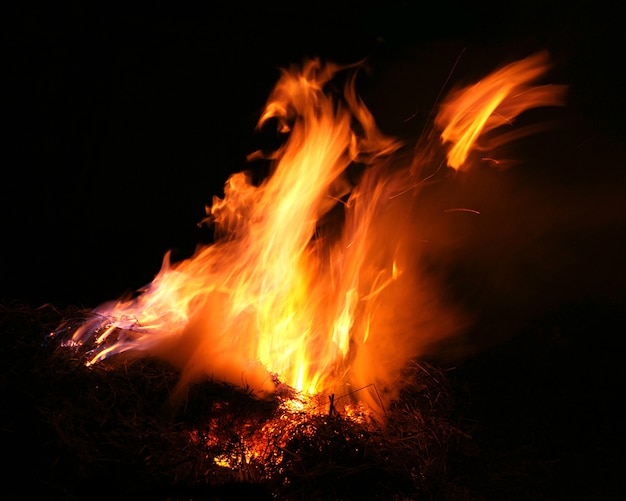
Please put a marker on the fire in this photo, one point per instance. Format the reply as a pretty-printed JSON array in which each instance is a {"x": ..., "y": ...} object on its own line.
[
  {"x": 491, "y": 103},
  {"x": 314, "y": 279}
]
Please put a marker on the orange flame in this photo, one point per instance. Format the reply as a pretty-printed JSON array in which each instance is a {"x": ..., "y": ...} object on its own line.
[
  {"x": 314, "y": 279},
  {"x": 493, "y": 102}
]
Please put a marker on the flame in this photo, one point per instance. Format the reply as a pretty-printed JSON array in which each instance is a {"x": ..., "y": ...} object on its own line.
[
  {"x": 495, "y": 101},
  {"x": 314, "y": 279}
]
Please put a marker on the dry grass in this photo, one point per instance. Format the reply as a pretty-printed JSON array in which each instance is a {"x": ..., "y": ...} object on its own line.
[
  {"x": 113, "y": 428},
  {"x": 112, "y": 431}
]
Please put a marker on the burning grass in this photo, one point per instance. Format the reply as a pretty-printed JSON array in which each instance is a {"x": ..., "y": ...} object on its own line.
[
  {"x": 113, "y": 430},
  {"x": 347, "y": 307},
  {"x": 533, "y": 419}
]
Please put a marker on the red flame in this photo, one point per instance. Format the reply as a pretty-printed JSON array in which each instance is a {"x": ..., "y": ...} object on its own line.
[{"x": 315, "y": 277}]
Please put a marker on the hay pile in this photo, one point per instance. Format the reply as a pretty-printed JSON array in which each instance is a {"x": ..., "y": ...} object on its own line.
[
  {"x": 538, "y": 418},
  {"x": 112, "y": 431}
]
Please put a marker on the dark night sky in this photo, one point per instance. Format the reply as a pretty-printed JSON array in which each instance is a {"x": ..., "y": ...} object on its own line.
[{"x": 124, "y": 122}]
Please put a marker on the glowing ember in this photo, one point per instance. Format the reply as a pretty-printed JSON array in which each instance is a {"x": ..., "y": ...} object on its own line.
[
  {"x": 267, "y": 444},
  {"x": 314, "y": 278}
]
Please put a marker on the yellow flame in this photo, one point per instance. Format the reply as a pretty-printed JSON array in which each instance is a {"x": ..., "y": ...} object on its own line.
[{"x": 313, "y": 278}]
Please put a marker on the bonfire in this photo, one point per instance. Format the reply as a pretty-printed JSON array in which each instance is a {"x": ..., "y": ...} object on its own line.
[{"x": 295, "y": 344}]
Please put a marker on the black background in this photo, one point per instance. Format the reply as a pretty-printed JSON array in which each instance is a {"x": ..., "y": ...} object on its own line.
[{"x": 121, "y": 122}]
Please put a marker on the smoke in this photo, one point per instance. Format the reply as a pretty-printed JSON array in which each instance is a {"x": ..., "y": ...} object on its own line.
[
  {"x": 546, "y": 233},
  {"x": 537, "y": 222}
]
